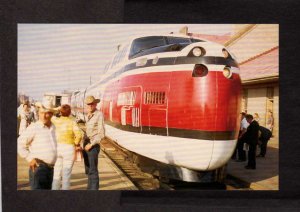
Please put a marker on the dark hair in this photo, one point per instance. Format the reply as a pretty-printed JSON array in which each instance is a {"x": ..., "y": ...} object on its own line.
[
  {"x": 65, "y": 110},
  {"x": 26, "y": 103},
  {"x": 249, "y": 116}
]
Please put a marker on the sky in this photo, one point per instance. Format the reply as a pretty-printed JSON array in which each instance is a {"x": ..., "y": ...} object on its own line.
[{"x": 57, "y": 57}]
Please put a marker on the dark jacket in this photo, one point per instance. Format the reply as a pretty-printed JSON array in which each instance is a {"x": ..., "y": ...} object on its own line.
[
  {"x": 266, "y": 134},
  {"x": 251, "y": 135}
]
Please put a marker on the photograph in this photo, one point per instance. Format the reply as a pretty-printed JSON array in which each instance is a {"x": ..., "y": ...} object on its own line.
[{"x": 148, "y": 107}]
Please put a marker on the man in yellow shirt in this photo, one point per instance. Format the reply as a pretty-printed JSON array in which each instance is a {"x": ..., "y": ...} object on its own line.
[{"x": 68, "y": 135}]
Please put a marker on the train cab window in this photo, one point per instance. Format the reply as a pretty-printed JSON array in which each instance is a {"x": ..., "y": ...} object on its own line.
[
  {"x": 194, "y": 40},
  {"x": 141, "y": 44},
  {"x": 175, "y": 40}
]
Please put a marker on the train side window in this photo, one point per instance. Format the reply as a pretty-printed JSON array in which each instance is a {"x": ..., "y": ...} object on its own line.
[
  {"x": 154, "y": 98},
  {"x": 126, "y": 98},
  {"x": 194, "y": 40}
]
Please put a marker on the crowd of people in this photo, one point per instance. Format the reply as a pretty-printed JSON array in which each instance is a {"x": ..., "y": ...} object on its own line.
[
  {"x": 49, "y": 138},
  {"x": 251, "y": 136}
]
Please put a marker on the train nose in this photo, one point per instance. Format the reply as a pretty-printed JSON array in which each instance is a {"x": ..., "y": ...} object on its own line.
[{"x": 227, "y": 119}]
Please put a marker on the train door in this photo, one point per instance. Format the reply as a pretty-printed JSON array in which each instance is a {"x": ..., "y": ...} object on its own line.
[{"x": 129, "y": 103}]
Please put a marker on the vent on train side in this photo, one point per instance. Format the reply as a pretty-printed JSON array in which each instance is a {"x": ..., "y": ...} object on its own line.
[{"x": 154, "y": 97}]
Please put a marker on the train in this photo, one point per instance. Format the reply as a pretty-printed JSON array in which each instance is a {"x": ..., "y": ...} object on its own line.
[{"x": 173, "y": 101}]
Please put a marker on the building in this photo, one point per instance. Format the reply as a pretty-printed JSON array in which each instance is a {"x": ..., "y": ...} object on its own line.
[{"x": 257, "y": 48}]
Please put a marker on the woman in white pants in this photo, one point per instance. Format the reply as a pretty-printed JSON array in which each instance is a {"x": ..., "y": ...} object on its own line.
[{"x": 68, "y": 135}]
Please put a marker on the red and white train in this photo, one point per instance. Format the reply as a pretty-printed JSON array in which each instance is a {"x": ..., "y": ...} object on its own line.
[{"x": 173, "y": 100}]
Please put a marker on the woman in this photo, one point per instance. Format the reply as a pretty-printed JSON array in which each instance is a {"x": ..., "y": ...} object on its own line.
[
  {"x": 68, "y": 136},
  {"x": 26, "y": 117}
]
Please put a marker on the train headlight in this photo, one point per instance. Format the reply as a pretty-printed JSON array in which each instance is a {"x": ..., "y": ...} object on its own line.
[
  {"x": 227, "y": 72},
  {"x": 197, "y": 52},
  {"x": 200, "y": 70}
]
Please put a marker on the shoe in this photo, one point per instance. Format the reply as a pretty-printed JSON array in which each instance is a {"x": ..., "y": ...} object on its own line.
[
  {"x": 238, "y": 160},
  {"x": 249, "y": 167}
]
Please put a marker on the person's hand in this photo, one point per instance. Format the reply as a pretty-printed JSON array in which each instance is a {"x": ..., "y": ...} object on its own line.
[
  {"x": 78, "y": 148},
  {"x": 33, "y": 165},
  {"x": 88, "y": 147}
]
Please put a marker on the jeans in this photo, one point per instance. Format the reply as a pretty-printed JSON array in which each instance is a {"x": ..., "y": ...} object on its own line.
[
  {"x": 91, "y": 166},
  {"x": 41, "y": 178},
  {"x": 63, "y": 166}
]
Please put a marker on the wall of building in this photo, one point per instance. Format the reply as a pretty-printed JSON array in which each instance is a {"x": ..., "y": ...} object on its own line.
[
  {"x": 276, "y": 112},
  {"x": 256, "y": 103},
  {"x": 257, "y": 99}
]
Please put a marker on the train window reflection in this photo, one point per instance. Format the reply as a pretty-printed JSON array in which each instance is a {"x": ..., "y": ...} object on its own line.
[
  {"x": 174, "y": 40},
  {"x": 141, "y": 44}
]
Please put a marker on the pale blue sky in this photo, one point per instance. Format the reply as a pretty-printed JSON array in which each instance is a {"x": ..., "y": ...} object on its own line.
[{"x": 54, "y": 57}]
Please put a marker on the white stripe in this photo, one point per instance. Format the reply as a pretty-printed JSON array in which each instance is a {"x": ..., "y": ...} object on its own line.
[
  {"x": 189, "y": 153},
  {"x": 170, "y": 68}
]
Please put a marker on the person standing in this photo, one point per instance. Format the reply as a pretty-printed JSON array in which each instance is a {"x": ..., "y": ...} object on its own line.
[
  {"x": 37, "y": 144},
  {"x": 270, "y": 121},
  {"x": 265, "y": 135},
  {"x": 94, "y": 133},
  {"x": 240, "y": 143},
  {"x": 68, "y": 135},
  {"x": 251, "y": 138},
  {"x": 26, "y": 117}
]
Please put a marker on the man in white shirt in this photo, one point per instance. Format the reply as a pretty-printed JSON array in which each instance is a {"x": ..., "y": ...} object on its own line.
[
  {"x": 37, "y": 144},
  {"x": 240, "y": 145}
]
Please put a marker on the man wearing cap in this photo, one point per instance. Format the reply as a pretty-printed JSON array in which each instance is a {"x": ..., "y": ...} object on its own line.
[
  {"x": 37, "y": 144},
  {"x": 94, "y": 133}
]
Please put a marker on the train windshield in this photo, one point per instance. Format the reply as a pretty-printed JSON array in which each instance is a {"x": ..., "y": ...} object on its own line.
[
  {"x": 156, "y": 44},
  {"x": 142, "y": 44}
]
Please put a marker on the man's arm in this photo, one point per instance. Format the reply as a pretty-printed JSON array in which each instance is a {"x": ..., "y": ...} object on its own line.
[
  {"x": 24, "y": 141},
  {"x": 100, "y": 131}
]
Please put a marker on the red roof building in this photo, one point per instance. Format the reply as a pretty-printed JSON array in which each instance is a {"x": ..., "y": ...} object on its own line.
[{"x": 261, "y": 67}]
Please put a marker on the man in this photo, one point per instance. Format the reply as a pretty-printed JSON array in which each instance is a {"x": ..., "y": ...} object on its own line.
[
  {"x": 240, "y": 143},
  {"x": 251, "y": 138},
  {"x": 94, "y": 133},
  {"x": 265, "y": 135},
  {"x": 37, "y": 144}
]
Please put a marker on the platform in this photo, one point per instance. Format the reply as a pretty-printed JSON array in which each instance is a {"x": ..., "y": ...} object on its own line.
[
  {"x": 111, "y": 178},
  {"x": 265, "y": 176}
]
